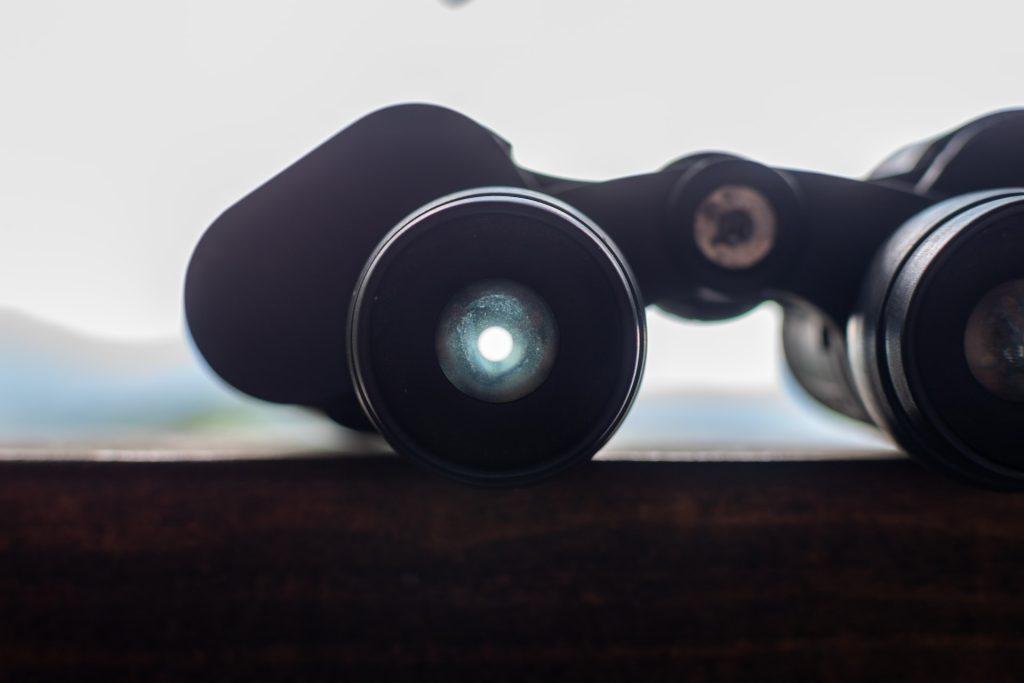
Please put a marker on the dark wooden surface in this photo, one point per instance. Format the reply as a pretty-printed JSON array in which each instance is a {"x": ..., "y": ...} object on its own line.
[{"x": 369, "y": 569}]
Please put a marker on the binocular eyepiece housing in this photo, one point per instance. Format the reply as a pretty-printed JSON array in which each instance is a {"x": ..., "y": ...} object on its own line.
[{"x": 401, "y": 277}]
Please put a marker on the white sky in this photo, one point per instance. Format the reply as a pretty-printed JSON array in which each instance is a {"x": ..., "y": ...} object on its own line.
[{"x": 126, "y": 127}]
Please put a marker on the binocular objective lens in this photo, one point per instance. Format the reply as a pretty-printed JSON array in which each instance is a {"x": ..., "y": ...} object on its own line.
[{"x": 496, "y": 341}]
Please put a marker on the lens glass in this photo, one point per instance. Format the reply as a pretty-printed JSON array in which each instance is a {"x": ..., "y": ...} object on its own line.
[
  {"x": 496, "y": 341},
  {"x": 994, "y": 341}
]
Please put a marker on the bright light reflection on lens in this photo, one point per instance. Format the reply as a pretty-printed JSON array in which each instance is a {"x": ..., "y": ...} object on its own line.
[
  {"x": 496, "y": 341},
  {"x": 495, "y": 344}
]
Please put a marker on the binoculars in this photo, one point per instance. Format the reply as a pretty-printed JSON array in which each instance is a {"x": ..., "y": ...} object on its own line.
[{"x": 406, "y": 276}]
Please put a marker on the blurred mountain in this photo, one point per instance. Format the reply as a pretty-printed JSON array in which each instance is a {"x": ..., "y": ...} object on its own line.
[
  {"x": 61, "y": 390},
  {"x": 54, "y": 381}
]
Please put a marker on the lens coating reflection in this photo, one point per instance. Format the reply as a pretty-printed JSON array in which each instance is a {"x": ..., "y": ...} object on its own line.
[
  {"x": 994, "y": 341},
  {"x": 496, "y": 341}
]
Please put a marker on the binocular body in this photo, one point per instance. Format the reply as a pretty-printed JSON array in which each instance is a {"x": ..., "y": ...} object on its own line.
[{"x": 407, "y": 276}]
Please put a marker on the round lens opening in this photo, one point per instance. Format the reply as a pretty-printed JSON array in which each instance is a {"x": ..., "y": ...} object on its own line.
[
  {"x": 994, "y": 341},
  {"x": 496, "y": 341}
]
